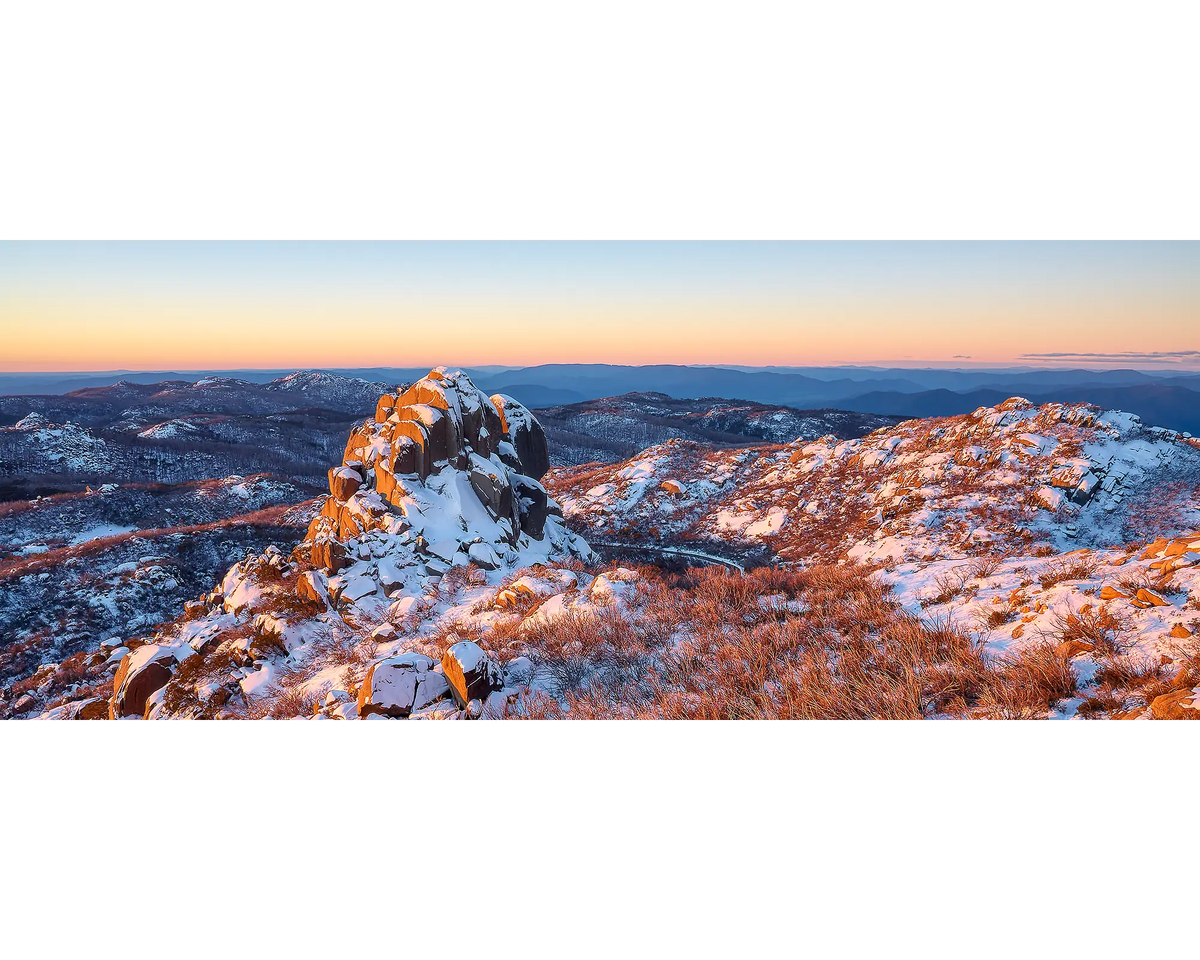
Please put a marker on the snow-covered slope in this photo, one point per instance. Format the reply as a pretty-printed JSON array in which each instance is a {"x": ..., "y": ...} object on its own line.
[
  {"x": 968, "y": 566},
  {"x": 610, "y": 429},
  {"x": 39, "y": 444},
  {"x": 323, "y": 389},
  {"x": 79, "y": 568},
  {"x": 440, "y": 485},
  {"x": 1004, "y": 478}
]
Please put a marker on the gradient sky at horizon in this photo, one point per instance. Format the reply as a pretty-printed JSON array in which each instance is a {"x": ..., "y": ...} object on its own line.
[{"x": 194, "y": 306}]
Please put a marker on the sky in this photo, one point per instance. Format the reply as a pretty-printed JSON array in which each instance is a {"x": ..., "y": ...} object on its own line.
[{"x": 196, "y": 306}]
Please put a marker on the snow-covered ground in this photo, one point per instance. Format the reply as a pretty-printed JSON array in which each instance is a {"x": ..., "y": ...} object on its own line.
[
  {"x": 1007, "y": 478},
  {"x": 439, "y": 580}
]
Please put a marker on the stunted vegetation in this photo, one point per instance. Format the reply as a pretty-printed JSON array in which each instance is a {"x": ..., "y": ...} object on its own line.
[
  {"x": 1103, "y": 629},
  {"x": 948, "y": 584},
  {"x": 821, "y": 643},
  {"x": 1027, "y": 684},
  {"x": 1076, "y": 566}
]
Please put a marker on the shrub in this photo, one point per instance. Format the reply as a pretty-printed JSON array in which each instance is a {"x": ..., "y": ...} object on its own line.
[
  {"x": 1072, "y": 567},
  {"x": 1104, "y": 629},
  {"x": 983, "y": 567},
  {"x": 948, "y": 584}
]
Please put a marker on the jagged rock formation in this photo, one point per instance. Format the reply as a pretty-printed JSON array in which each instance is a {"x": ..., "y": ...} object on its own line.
[
  {"x": 443, "y": 474},
  {"x": 442, "y": 478}
]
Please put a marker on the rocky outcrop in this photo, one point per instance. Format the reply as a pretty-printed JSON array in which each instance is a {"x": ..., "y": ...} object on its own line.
[
  {"x": 1176, "y": 705},
  {"x": 471, "y": 673},
  {"x": 439, "y": 420},
  {"x": 313, "y": 586},
  {"x": 142, "y": 673},
  {"x": 441, "y": 476},
  {"x": 397, "y": 686},
  {"x": 95, "y": 708},
  {"x": 344, "y": 480},
  {"x": 533, "y": 505},
  {"x": 526, "y": 436}
]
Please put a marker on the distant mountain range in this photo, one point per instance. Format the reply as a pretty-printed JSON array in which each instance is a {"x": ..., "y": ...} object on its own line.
[
  {"x": 178, "y": 431},
  {"x": 1174, "y": 407},
  {"x": 28, "y": 384},
  {"x": 1167, "y": 400},
  {"x": 613, "y": 428},
  {"x": 1164, "y": 398}
]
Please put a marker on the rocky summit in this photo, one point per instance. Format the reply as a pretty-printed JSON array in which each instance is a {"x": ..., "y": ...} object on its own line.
[
  {"x": 441, "y": 484},
  {"x": 442, "y": 475}
]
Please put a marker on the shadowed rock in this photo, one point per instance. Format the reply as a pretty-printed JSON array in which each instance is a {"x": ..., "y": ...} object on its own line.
[
  {"x": 471, "y": 673},
  {"x": 141, "y": 674},
  {"x": 435, "y": 447}
]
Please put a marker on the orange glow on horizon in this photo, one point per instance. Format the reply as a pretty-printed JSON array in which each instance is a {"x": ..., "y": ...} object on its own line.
[{"x": 875, "y": 314}]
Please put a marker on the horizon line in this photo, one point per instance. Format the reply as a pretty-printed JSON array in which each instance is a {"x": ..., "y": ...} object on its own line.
[{"x": 1115, "y": 365}]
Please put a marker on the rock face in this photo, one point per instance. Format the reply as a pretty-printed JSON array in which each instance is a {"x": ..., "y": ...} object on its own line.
[
  {"x": 1176, "y": 705},
  {"x": 94, "y": 709},
  {"x": 314, "y": 587},
  {"x": 525, "y": 434},
  {"x": 1072, "y": 648},
  {"x": 344, "y": 480},
  {"x": 399, "y": 685},
  {"x": 441, "y": 476},
  {"x": 141, "y": 674},
  {"x": 533, "y": 504},
  {"x": 471, "y": 673}
]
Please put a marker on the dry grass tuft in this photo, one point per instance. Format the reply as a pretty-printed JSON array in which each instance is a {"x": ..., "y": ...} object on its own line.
[
  {"x": 1028, "y": 684},
  {"x": 1104, "y": 629},
  {"x": 1077, "y": 567}
]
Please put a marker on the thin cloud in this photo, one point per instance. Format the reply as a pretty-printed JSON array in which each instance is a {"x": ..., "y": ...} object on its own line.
[{"x": 1134, "y": 356}]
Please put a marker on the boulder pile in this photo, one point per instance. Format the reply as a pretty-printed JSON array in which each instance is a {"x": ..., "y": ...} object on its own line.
[{"x": 443, "y": 475}]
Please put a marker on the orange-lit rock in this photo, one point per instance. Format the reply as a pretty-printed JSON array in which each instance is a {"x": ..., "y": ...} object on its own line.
[
  {"x": 1072, "y": 648},
  {"x": 1152, "y": 599},
  {"x": 471, "y": 673},
  {"x": 1155, "y": 549},
  {"x": 314, "y": 587},
  {"x": 343, "y": 481},
  {"x": 383, "y": 409},
  {"x": 1176, "y": 705},
  {"x": 138, "y": 677},
  {"x": 329, "y": 555},
  {"x": 399, "y": 685}
]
